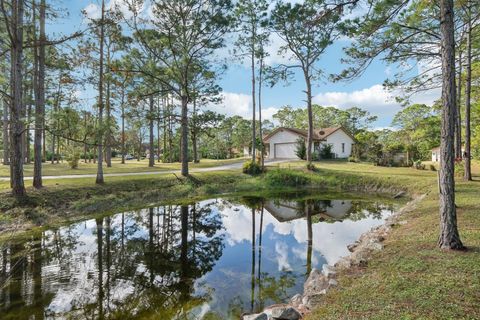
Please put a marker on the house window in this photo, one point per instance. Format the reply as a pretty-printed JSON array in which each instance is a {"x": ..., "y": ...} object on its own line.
[{"x": 343, "y": 147}]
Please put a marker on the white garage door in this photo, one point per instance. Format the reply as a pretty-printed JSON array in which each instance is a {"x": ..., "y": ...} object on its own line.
[{"x": 285, "y": 150}]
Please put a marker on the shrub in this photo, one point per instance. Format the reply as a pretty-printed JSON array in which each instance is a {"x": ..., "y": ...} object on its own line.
[
  {"x": 315, "y": 156},
  {"x": 286, "y": 178},
  {"x": 419, "y": 165},
  {"x": 301, "y": 150},
  {"x": 252, "y": 167},
  {"x": 326, "y": 151},
  {"x": 54, "y": 156},
  {"x": 352, "y": 159},
  {"x": 311, "y": 167},
  {"x": 73, "y": 160},
  {"x": 433, "y": 168}
]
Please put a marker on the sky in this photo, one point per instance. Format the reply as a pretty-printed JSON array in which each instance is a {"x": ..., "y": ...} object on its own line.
[{"x": 365, "y": 92}]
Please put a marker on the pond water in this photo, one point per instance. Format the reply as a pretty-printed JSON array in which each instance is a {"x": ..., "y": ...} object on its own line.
[{"x": 214, "y": 259}]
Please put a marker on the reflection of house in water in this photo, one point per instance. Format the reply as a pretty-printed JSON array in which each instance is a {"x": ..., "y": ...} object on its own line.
[{"x": 287, "y": 210}]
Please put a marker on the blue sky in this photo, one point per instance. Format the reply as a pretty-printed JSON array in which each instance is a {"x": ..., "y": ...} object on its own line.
[{"x": 365, "y": 92}]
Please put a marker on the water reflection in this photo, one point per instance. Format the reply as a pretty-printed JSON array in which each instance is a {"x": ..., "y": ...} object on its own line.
[{"x": 211, "y": 260}]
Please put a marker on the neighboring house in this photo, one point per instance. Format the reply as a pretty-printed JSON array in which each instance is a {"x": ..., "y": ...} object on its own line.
[
  {"x": 436, "y": 154},
  {"x": 282, "y": 142}
]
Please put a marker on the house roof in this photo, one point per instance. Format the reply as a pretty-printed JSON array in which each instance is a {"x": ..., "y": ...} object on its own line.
[{"x": 318, "y": 134}]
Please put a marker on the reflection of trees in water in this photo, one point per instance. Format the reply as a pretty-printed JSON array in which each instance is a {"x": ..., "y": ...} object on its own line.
[
  {"x": 368, "y": 209},
  {"x": 270, "y": 289},
  {"x": 263, "y": 287},
  {"x": 154, "y": 258}
]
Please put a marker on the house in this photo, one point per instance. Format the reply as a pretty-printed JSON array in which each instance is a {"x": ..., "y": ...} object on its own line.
[
  {"x": 282, "y": 142},
  {"x": 436, "y": 154}
]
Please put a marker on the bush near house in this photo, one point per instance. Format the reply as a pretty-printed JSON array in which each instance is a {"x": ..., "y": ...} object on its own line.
[
  {"x": 326, "y": 152},
  {"x": 252, "y": 167},
  {"x": 301, "y": 150}
]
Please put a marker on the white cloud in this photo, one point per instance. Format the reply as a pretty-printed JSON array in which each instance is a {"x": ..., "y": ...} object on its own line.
[
  {"x": 93, "y": 11},
  {"x": 272, "y": 49},
  {"x": 240, "y": 104},
  {"x": 375, "y": 99}
]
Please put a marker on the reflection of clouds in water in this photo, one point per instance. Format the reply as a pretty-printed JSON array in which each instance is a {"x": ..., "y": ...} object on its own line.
[
  {"x": 329, "y": 239},
  {"x": 237, "y": 224},
  {"x": 281, "y": 249},
  {"x": 301, "y": 254}
]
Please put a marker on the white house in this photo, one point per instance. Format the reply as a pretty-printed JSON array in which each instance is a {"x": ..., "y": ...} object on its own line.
[
  {"x": 436, "y": 154},
  {"x": 282, "y": 142}
]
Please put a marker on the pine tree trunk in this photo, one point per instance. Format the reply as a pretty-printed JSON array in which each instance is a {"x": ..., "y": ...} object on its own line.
[
  {"x": 184, "y": 142},
  {"x": 165, "y": 102},
  {"x": 194, "y": 148},
  {"x": 53, "y": 148},
  {"x": 123, "y": 130},
  {"x": 170, "y": 133},
  {"x": 260, "y": 129},
  {"x": 39, "y": 100},
  {"x": 100, "y": 179},
  {"x": 458, "y": 113},
  {"x": 6, "y": 135},
  {"x": 468, "y": 90},
  {"x": 254, "y": 138},
  {"x": 449, "y": 236},
  {"x": 85, "y": 147},
  {"x": 27, "y": 129},
  {"x": 108, "y": 147},
  {"x": 151, "y": 145},
  {"x": 44, "y": 139},
  {"x": 159, "y": 145},
  {"x": 58, "y": 150},
  {"x": 17, "y": 106},
  {"x": 310, "y": 117},
  {"x": 194, "y": 133}
]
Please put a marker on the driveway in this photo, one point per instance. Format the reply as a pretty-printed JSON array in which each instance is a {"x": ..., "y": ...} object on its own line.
[{"x": 233, "y": 166}]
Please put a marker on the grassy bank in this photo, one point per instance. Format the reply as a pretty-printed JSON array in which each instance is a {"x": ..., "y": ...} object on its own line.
[
  {"x": 411, "y": 278},
  {"x": 66, "y": 200}
]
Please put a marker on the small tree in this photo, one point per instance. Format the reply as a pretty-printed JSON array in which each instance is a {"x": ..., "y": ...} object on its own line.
[
  {"x": 301, "y": 150},
  {"x": 326, "y": 152},
  {"x": 73, "y": 158}
]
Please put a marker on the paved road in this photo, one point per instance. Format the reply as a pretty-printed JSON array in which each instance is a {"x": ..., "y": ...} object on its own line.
[{"x": 232, "y": 166}]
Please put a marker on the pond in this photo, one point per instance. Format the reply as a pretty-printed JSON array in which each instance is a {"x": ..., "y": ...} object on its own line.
[{"x": 214, "y": 259}]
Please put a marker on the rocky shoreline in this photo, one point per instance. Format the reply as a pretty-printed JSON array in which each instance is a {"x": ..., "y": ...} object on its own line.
[{"x": 319, "y": 282}]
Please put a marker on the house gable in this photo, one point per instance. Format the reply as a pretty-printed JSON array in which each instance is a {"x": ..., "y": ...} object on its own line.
[
  {"x": 282, "y": 135},
  {"x": 341, "y": 143}
]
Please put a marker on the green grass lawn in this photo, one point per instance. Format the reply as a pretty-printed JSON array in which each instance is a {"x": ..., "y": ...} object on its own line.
[
  {"x": 411, "y": 278},
  {"x": 117, "y": 167}
]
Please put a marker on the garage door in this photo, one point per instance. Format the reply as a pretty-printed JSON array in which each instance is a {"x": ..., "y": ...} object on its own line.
[{"x": 285, "y": 150}]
